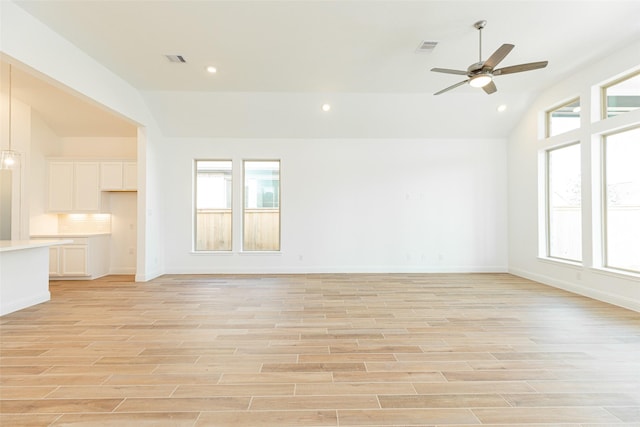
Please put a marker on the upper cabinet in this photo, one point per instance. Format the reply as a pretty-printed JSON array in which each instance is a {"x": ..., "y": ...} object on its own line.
[
  {"x": 118, "y": 176},
  {"x": 74, "y": 186},
  {"x": 77, "y": 186}
]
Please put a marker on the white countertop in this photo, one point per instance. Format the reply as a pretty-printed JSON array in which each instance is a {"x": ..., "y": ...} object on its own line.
[
  {"x": 17, "y": 245},
  {"x": 63, "y": 235}
]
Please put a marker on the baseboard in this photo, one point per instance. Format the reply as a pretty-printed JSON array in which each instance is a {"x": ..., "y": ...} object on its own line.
[
  {"x": 147, "y": 276},
  {"x": 125, "y": 270},
  {"x": 24, "y": 303},
  {"x": 577, "y": 289},
  {"x": 343, "y": 269}
]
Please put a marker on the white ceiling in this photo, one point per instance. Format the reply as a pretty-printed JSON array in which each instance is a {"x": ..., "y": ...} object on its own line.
[{"x": 346, "y": 46}]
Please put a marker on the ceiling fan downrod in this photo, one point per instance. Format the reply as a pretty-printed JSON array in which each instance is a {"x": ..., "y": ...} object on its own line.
[{"x": 479, "y": 26}]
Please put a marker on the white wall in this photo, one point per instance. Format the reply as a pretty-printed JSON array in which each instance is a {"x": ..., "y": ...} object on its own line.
[
  {"x": 353, "y": 115},
  {"x": 524, "y": 148},
  {"x": 100, "y": 147},
  {"x": 355, "y": 205}
]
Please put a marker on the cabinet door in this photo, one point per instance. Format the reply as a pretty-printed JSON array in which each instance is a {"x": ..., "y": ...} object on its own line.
[
  {"x": 54, "y": 261},
  {"x": 87, "y": 186},
  {"x": 130, "y": 176},
  {"x": 111, "y": 176},
  {"x": 74, "y": 260},
  {"x": 60, "y": 186}
]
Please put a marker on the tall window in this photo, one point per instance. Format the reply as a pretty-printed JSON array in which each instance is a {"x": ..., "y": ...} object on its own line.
[
  {"x": 564, "y": 203},
  {"x": 622, "y": 200},
  {"x": 213, "y": 205},
  {"x": 563, "y": 118},
  {"x": 261, "y": 228},
  {"x": 622, "y": 96}
]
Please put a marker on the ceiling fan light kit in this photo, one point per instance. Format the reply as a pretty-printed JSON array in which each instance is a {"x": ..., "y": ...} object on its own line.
[
  {"x": 480, "y": 80},
  {"x": 481, "y": 73}
]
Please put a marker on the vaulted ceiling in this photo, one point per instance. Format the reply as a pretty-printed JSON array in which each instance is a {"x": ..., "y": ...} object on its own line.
[{"x": 346, "y": 47}]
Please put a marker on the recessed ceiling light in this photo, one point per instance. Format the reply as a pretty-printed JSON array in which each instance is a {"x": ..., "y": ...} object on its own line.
[
  {"x": 211, "y": 69},
  {"x": 501, "y": 108},
  {"x": 326, "y": 107}
]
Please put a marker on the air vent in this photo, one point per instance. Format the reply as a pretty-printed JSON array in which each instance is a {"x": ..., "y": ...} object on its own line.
[
  {"x": 176, "y": 58},
  {"x": 426, "y": 47}
]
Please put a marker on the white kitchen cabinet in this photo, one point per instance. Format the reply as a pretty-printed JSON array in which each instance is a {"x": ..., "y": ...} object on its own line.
[
  {"x": 85, "y": 258},
  {"x": 130, "y": 176},
  {"x": 54, "y": 261},
  {"x": 74, "y": 186},
  {"x": 118, "y": 176},
  {"x": 87, "y": 186},
  {"x": 74, "y": 260},
  {"x": 61, "y": 185}
]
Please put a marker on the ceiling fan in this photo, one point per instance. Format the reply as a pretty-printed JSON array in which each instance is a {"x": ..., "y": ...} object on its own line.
[{"x": 481, "y": 73}]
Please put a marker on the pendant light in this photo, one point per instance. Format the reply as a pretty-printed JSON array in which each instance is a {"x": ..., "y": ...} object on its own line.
[{"x": 9, "y": 159}]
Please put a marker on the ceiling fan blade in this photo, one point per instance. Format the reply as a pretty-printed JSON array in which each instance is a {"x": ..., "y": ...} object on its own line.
[
  {"x": 498, "y": 56},
  {"x": 520, "y": 68},
  {"x": 451, "y": 87},
  {"x": 448, "y": 71},
  {"x": 490, "y": 88}
]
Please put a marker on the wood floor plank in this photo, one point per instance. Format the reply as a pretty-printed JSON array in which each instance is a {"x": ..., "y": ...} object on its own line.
[
  {"x": 319, "y": 350},
  {"x": 268, "y": 419},
  {"x": 315, "y": 402},
  {"x": 406, "y": 417},
  {"x": 154, "y": 419},
  {"x": 551, "y": 415},
  {"x": 443, "y": 401}
]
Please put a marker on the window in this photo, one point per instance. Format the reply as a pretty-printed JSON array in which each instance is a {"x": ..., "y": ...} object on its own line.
[
  {"x": 564, "y": 213},
  {"x": 261, "y": 226},
  {"x": 563, "y": 118},
  {"x": 622, "y": 200},
  {"x": 213, "y": 205},
  {"x": 622, "y": 96}
]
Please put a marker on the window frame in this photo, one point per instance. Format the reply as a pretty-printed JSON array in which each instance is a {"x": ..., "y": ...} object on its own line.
[
  {"x": 547, "y": 199},
  {"x": 604, "y": 106},
  {"x": 244, "y": 208},
  {"x": 194, "y": 245},
  {"x": 548, "y": 116}
]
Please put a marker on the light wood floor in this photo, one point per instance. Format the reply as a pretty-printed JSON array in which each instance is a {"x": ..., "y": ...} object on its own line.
[{"x": 319, "y": 350}]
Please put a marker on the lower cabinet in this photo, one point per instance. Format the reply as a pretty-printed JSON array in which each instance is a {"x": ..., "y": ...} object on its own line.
[{"x": 85, "y": 258}]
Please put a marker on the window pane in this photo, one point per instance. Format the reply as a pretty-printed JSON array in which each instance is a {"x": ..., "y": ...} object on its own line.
[
  {"x": 563, "y": 118},
  {"x": 261, "y": 206},
  {"x": 622, "y": 184},
  {"x": 564, "y": 203},
  {"x": 623, "y": 96},
  {"x": 213, "y": 205}
]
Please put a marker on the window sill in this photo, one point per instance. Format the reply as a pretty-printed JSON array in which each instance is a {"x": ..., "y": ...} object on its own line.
[
  {"x": 231, "y": 253},
  {"x": 260, "y": 253},
  {"x": 620, "y": 274},
  {"x": 564, "y": 262}
]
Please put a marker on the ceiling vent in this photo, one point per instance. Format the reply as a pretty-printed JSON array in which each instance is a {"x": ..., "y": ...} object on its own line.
[
  {"x": 426, "y": 47},
  {"x": 176, "y": 58}
]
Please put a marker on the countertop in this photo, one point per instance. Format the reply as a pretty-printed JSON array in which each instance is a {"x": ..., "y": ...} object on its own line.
[
  {"x": 63, "y": 235},
  {"x": 17, "y": 245}
]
